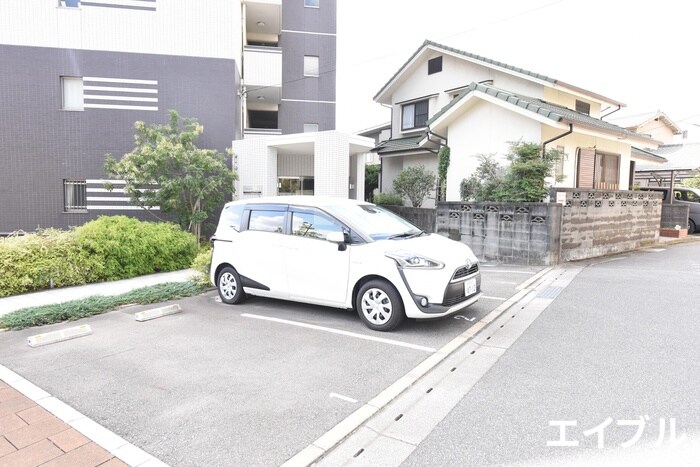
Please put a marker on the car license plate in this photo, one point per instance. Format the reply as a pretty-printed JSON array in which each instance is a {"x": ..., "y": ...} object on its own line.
[{"x": 469, "y": 287}]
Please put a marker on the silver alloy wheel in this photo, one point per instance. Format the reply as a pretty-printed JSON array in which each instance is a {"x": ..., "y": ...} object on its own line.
[
  {"x": 376, "y": 306},
  {"x": 228, "y": 285}
]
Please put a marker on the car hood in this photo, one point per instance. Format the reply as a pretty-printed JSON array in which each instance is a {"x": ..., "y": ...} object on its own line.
[{"x": 434, "y": 246}]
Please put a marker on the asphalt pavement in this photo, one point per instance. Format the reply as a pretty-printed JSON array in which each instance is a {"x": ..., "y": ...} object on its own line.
[
  {"x": 614, "y": 357},
  {"x": 235, "y": 385}
]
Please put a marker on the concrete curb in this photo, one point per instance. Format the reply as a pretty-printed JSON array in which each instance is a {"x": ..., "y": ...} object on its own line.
[{"x": 108, "y": 440}]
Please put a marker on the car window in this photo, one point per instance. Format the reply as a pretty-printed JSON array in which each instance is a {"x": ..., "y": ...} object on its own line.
[
  {"x": 313, "y": 225},
  {"x": 692, "y": 196},
  {"x": 231, "y": 216},
  {"x": 267, "y": 221}
]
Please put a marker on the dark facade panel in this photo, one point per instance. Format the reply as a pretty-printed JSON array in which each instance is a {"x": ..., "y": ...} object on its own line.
[
  {"x": 297, "y": 17},
  {"x": 295, "y": 85},
  {"x": 41, "y": 145},
  {"x": 293, "y": 116}
]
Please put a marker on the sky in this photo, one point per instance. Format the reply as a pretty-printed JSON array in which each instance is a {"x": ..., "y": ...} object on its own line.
[{"x": 642, "y": 53}]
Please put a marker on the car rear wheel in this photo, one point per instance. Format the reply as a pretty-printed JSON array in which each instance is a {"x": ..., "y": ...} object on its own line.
[
  {"x": 691, "y": 226},
  {"x": 228, "y": 283},
  {"x": 379, "y": 305}
]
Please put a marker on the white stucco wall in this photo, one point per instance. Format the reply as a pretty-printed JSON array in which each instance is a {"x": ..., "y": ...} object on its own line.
[
  {"x": 485, "y": 129},
  {"x": 210, "y": 28},
  {"x": 455, "y": 73},
  {"x": 567, "y": 100},
  {"x": 658, "y": 130}
]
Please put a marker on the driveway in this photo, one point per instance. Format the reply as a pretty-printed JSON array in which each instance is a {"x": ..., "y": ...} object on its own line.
[{"x": 235, "y": 385}]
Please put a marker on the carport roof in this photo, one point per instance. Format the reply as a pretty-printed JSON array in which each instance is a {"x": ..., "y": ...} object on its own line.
[{"x": 680, "y": 157}]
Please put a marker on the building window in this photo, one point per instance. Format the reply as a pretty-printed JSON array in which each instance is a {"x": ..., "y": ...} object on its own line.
[
  {"x": 311, "y": 3},
  {"x": 74, "y": 196},
  {"x": 72, "y": 92},
  {"x": 597, "y": 170},
  {"x": 559, "y": 166},
  {"x": 310, "y": 127},
  {"x": 69, "y": 3},
  {"x": 434, "y": 65},
  {"x": 583, "y": 107},
  {"x": 310, "y": 65},
  {"x": 414, "y": 115}
]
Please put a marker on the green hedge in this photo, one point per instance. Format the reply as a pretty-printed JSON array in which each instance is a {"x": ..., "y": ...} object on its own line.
[
  {"x": 109, "y": 248},
  {"x": 390, "y": 199}
]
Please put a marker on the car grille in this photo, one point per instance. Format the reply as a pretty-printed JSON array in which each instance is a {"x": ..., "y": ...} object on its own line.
[
  {"x": 454, "y": 294},
  {"x": 465, "y": 271}
]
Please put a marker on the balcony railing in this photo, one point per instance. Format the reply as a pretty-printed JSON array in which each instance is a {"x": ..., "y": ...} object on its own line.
[{"x": 262, "y": 66}]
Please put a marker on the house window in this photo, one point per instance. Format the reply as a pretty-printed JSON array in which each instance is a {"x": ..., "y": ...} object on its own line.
[
  {"x": 69, "y": 3},
  {"x": 310, "y": 65},
  {"x": 311, "y": 3},
  {"x": 72, "y": 93},
  {"x": 414, "y": 115},
  {"x": 597, "y": 170},
  {"x": 310, "y": 127},
  {"x": 559, "y": 167},
  {"x": 434, "y": 65},
  {"x": 607, "y": 171},
  {"x": 583, "y": 107},
  {"x": 74, "y": 196}
]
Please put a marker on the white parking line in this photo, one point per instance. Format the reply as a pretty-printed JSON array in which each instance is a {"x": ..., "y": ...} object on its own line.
[
  {"x": 494, "y": 298},
  {"x": 342, "y": 333},
  {"x": 508, "y": 271},
  {"x": 333, "y": 395}
]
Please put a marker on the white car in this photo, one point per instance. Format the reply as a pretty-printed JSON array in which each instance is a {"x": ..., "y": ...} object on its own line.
[{"x": 341, "y": 253}]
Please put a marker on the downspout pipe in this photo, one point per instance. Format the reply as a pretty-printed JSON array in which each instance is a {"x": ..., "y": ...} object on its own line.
[
  {"x": 544, "y": 145},
  {"x": 618, "y": 108}
]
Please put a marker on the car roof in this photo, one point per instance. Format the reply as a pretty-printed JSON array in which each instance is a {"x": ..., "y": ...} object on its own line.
[{"x": 302, "y": 200}]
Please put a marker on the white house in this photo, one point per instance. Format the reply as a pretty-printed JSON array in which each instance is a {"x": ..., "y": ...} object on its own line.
[{"x": 475, "y": 105}]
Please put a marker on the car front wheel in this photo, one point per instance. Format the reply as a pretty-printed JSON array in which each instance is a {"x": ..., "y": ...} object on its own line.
[
  {"x": 691, "y": 226},
  {"x": 228, "y": 283},
  {"x": 379, "y": 305}
]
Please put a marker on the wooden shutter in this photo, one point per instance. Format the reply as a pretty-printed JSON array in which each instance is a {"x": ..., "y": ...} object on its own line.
[{"x": 585, "y": 168}]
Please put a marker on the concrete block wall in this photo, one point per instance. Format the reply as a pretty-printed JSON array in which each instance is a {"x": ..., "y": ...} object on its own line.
[
  {"x": 599, "y": 222},
  {"x": 515, "y": 233},
  {"x": 673, "y": 215},
  {"x": 423, "y": 218}
]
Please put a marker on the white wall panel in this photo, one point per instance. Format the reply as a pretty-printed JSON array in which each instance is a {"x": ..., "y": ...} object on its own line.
[
  {"x": 485, "y": 129},
  {"x": 210, "y": 28}
]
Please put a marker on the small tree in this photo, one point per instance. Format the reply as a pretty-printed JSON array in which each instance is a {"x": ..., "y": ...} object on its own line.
[
  {"x": 525, "y": 178},
  {"x": 693, "y": 182},
  {"x": 371, "y": 180},
  {"x": 166, "y": 169},
  {"x": 414, "y": 183},
  {"x": 483, "y": 184},
  {"x": 443, "y": 166}
]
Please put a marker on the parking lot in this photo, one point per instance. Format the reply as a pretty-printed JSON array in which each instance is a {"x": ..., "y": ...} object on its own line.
[{"x": 250, "y": 384}]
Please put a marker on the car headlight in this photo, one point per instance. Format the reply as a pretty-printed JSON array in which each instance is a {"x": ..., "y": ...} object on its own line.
[{"x": 406, "y": 259}]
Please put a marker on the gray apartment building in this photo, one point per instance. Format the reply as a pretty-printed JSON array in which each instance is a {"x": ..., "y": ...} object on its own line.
[{"x": 76, "y": 74}]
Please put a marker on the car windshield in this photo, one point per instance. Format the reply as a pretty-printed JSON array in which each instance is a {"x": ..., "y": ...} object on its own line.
[{"x": 378, "y": 223}]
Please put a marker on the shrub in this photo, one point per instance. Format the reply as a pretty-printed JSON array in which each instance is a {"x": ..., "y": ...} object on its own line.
[
  {"x": 109, "y": 248},
  {"x": 127, "y": 247},
  {"x": 47, "y": 258},
  {"x": 388, "y": 199},
  {"x": 202, "y": 264},
  {"x": 415, "y": 183}
]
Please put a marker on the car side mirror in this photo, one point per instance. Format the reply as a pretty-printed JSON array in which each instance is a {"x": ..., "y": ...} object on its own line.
[{"x": 337, "y": 237}]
